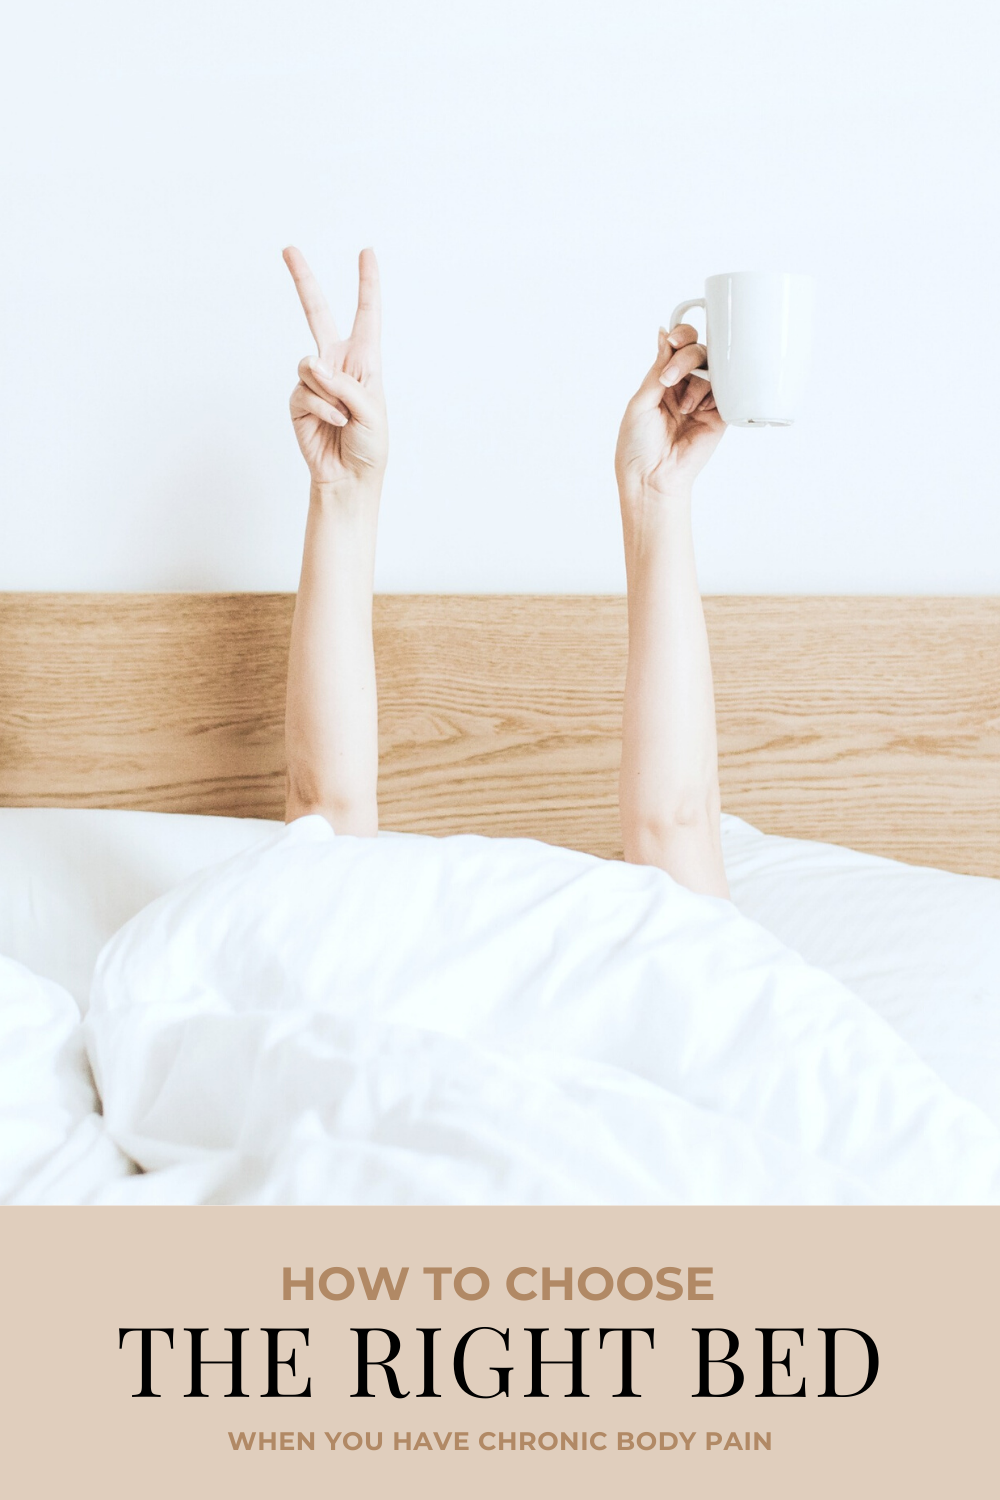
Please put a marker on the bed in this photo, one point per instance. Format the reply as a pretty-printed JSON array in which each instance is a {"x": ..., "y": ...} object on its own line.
[{"x": 141, "y": 744}]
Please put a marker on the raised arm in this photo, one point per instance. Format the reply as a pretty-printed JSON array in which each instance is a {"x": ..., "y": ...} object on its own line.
[
  {"x": 669, "y": 788},
  {"x": 331, "y": 713}
]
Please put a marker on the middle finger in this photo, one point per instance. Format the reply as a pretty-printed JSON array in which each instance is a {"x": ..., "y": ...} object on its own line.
[{"x": 697, "y": 390}]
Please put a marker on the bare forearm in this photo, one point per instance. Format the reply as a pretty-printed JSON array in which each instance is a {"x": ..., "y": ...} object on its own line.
[
  {"x": 331, "y": 718},
  {"x": 669, "y": 791}
]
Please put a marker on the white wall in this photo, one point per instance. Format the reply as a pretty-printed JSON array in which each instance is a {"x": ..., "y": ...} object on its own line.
[{"x": 542, "y": 182}]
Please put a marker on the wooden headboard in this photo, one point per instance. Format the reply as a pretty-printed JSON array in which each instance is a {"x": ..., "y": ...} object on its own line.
[{"x": 873, "y": 722}]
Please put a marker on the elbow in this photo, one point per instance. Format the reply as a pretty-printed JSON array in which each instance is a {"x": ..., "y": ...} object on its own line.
[
  {"x": 676, "y": 835},
  {"x": 304, "y": 796},
  {"x": 652, "y": 840}
]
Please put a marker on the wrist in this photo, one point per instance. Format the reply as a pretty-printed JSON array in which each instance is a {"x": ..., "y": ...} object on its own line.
[
  {"x": 652, "y": 518},
  {"x": 640, "y": 496},
  {"x": 346, "y": 495}
]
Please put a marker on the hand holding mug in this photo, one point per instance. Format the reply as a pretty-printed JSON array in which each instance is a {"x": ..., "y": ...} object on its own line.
[{"x": 671, "y": 426}]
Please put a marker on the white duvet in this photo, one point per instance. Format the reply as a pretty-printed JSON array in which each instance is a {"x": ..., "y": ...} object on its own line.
[
  {"x": 53, "y": 1145},
  {"x": 466, "y": 1020}
]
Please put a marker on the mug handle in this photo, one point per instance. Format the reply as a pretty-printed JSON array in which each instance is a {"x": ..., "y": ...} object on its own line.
[{"x": 677, "y": 316}]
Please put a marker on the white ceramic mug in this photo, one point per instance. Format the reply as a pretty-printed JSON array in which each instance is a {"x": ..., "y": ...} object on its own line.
[{"x": 759, "y": 338}]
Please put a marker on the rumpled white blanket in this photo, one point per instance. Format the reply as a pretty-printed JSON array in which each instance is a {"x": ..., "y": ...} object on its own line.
[
  {"x": 463, "y": 1020},
  {"x": 53, "y": 1145}
]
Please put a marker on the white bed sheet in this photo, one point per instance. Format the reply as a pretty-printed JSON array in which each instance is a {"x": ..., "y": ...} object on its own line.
[
  {"x": 53, "y": 1143},
  {"x": 921, "y": 947},
  {"x": 471, "y": 1020}
]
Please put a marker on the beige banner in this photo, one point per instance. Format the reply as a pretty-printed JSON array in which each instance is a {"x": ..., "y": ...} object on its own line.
[{"x": 915, "y": 1290}]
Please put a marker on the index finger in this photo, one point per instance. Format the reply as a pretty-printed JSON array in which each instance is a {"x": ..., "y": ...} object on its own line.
[
  {"x": 314, "y": 304},
  {"x": 682, "y": 334}
]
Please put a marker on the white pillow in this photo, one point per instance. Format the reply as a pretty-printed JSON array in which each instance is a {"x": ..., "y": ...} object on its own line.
[
  {"x": 70, "y": 877},
  {"x": 921, "y": 946}
]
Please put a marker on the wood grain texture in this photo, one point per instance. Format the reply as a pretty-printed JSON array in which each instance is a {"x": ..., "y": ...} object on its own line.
[
  {"x": 170, "y": 702},
  {"x": 864, "y": 721}
]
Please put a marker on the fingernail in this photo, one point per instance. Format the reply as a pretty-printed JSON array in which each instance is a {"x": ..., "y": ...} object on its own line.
[
  {"x": 674, "y": 340},
  {"x": 670, "y": 375}
]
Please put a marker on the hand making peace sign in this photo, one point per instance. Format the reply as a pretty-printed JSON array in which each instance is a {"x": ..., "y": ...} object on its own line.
[{"x": 338, "y": 407}]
